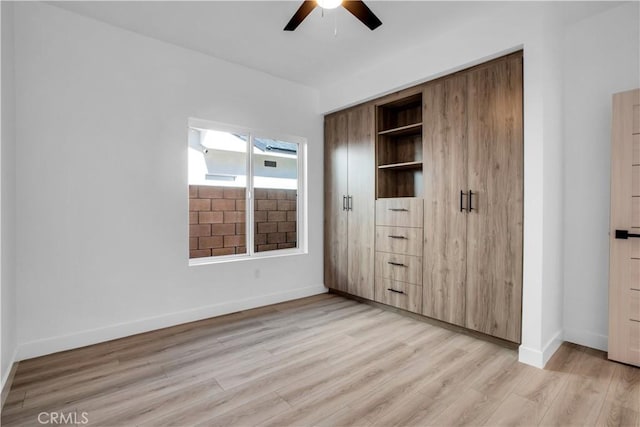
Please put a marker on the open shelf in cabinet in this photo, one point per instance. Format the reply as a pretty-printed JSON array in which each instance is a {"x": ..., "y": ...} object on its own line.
[
  {"x": 399, "y": 147},
  {"x": 400, "y": 183}
]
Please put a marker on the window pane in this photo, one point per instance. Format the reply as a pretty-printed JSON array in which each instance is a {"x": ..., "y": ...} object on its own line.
[
  {"x": 217, "y": 193},
  {"x": 275, "y": 171}
]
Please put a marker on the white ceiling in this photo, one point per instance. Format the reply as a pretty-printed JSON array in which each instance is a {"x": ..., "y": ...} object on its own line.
[{"x": 250, "y": 32}]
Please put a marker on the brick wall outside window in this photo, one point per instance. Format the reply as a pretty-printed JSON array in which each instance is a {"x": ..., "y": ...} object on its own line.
[{"x": 217, "y": 220}]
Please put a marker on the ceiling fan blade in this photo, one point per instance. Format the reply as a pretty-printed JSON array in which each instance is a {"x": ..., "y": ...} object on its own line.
[
  {"x": 305, "y": 9},
  {"x": 363, "y": 13}
]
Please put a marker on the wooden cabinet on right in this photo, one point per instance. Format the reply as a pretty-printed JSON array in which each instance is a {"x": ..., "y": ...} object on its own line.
[{"x": 473, "y": 191}]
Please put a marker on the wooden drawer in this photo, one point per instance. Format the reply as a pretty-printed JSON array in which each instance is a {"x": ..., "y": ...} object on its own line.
[
  {"x": 399, "y": 294},
  {"x": 403, "y": 212},
  {"x": 399, "y": 240},
  {"x": 634, "y": 304},
  {"x": 402, "y": 268}
]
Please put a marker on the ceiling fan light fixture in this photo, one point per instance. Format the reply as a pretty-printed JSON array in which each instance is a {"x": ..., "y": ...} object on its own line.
[
  {"x": 329, "y": 4},
  {"x": 356, "y": 7}
]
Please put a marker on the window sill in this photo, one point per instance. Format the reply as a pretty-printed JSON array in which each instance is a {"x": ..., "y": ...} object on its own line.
[{"x": 245, "y": 257}]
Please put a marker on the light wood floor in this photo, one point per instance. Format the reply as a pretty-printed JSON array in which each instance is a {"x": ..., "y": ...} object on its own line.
[{"x": 321, "y": 361}]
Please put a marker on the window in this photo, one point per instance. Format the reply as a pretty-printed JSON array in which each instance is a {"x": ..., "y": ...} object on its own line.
[{"x": 245, "y": 192}]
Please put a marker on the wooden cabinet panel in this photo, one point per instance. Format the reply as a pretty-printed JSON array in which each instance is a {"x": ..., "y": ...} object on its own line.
[
  {"x": 402, "y": 268},
  {"x": 445, "y": 218},
  {"x": 494, "y": 226},
  {"x": 399, "y": 240},
  {"x": 399, "y": 294},
  {"x": 335, "y": 189},
  {"x": 361, "y": 182},
  {"x": 403, "y": 212}
]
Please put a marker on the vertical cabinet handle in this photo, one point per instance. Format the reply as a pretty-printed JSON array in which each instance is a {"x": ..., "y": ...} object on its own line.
[
  {"x": 350, "y": 203},
  {"x": 344, "y": 203},
  {"x": 462, "y": 194},
  {"x": 471, "y": 200}
]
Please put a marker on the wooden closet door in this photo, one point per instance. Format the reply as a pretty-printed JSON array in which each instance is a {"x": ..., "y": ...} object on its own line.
[
  {"x": 445, "y": 217},
  {"x": 624, "y": 260},
  {"x": 361, "y": 228},
  {"x": 494, "y": 227},
  {"x": 335, "y": 189}
]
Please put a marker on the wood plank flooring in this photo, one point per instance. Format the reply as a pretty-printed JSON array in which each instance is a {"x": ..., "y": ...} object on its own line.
[{"x": 320, "y": 361}]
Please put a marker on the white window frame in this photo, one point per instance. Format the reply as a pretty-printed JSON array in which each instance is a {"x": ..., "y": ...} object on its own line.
[{"x": 301, "y": 199}]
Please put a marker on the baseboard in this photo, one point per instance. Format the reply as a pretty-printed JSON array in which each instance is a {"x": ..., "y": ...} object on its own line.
[
  {"x": 8, "y": 380},
  {"x": 552, "y": 346},
  {"x": 539, "y": 358},
  {"x": 530, "y": 356},
  {"x": 587, "y": 339},
  {"x": 81, "y": 339}
]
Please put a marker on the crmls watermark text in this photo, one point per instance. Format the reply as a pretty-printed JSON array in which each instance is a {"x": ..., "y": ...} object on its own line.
[{"x": 63, "y": 418}]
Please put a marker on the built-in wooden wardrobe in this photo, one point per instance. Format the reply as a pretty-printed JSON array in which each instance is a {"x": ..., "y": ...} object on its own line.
[
  {"x": 349, "y": 198},
  {"x": 474, "y": 198},
  {"x": 448, "y": 179}
]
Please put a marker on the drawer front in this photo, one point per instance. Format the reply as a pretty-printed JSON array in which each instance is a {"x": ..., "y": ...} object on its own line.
[
  {"x": 400, "y": 212},
  {"x": 402, "y": 268},
  {"x": 399, "y": 240},
  {"x": 399, "y": 294}
]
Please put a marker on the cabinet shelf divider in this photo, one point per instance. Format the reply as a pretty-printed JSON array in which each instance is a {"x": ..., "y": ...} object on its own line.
[
  {"x": 401, "y": 166},
  {"x": 402, "y": 130}
]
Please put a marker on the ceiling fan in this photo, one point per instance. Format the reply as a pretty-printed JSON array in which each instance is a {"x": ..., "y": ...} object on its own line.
[{"x": 356, "y": 7}]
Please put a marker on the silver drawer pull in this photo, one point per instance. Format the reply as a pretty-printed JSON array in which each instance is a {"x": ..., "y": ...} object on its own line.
[
  {"x": 396, "y": 264},
  {"x": 396, "y": 237},
  {"x": 398, "y": 210},
  {"x": 396, "y": 291}
]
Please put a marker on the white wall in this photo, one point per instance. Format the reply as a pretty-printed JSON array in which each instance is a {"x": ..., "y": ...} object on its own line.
[
  {"x": 517, "y": 25},
  {"x": 601, "y": 58},
  {"x": 103, "y": 249},
  {"x": 553, "y": 161},
  {"x": 7, "y": 197}
]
